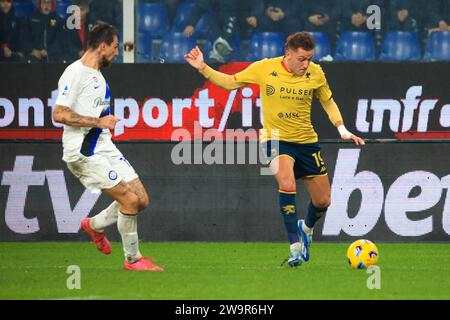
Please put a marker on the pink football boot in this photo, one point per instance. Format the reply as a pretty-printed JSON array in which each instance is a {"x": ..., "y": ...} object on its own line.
[
  {"x": 99, "y": 238},
  {"x": 141, "y": 265}
]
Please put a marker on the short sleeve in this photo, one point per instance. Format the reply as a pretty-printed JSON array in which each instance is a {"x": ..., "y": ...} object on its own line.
[
  {"x": 323, "y": 92},
  {"x": 68, "y": 89},
  {"x": 251, "y": 74}
]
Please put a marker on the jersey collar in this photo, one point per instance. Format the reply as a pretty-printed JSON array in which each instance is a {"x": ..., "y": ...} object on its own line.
[{"x": 284, "y": 66}]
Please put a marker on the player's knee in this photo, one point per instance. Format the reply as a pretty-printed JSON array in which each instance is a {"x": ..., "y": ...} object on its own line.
[
  {"x": 144, "y": 202},
  {"x": 323, "y": 202},
  {"x": 131, "y": 201},
  {"x": 287, "y": 184}
]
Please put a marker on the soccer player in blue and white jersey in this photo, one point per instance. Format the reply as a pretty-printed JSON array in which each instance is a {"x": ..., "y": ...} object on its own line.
[{"x": 83, "y": 106}]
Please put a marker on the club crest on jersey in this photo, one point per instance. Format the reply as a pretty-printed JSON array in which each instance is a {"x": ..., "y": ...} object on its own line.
[{"x": 96, "y": 83}]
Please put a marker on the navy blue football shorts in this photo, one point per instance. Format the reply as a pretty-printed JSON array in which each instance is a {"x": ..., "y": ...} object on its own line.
[{"x": 308, "y": 161}]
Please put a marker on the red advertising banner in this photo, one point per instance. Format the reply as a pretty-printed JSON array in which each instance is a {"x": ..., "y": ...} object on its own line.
[{"x": 160, "y": 102}]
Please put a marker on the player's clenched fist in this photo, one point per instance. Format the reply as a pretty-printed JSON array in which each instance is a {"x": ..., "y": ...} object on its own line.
[{"x": 108, "y": 122}]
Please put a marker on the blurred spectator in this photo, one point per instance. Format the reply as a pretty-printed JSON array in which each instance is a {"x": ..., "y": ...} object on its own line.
[
  {"x": 404, "y": 15},
  {"x": 44, "y": 29},
  {"x": 321, "y": 16},
  {"x": 250, "y": 13},
  {"x": 222, "y": 23},
  {"x": 11, "y": 31},
  {"x": 354, "y": 14},
  {"x": 109, "y": 11},
  {"x": 281, "y": 16},
  {"x": 171, "y": 7},
  {"x": 75, "y": 40},
  {"x": 354, "y": 17},
  {"x": 438, "y": 15}
]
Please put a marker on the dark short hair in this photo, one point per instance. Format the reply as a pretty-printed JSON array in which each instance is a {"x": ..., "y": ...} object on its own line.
[
  {"x": 101, "y": 32},
  {"x": 302, "y": 40}
]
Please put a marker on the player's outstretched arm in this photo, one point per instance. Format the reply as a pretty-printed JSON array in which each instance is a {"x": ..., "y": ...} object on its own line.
[
  {"x": 67, "y": 116},
  {"x": 347, "y": 135},
  {"x": 335, "y": 117},
  {"x": 196, "y": 60}
]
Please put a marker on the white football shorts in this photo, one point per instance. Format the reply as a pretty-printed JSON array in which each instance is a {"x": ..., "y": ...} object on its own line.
[{"x": 102, "y": 171}]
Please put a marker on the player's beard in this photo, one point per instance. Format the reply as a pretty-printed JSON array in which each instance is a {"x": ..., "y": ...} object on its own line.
[{"x": 105, "y": 62}]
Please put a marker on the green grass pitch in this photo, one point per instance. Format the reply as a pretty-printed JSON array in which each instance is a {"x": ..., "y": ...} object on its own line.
[{"x": 222, "y": 271}]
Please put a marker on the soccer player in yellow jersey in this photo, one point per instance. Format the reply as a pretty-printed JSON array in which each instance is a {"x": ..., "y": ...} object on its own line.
[{"x": 288, "y": 85}]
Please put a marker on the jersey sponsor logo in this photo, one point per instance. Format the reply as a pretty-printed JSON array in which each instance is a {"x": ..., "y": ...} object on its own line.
[
  {"x": 308, "y": 75},
  {"x": 294, "y": 91},
  {"x": 99, "y": 102},
  {"x": 273, "y": 74},
  {"x": 269, "y": 90},
  {"x": 289, "y": 115}
]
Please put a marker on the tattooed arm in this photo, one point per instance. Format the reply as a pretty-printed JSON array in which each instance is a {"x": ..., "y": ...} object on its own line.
[{"x": 67, "y": 116}]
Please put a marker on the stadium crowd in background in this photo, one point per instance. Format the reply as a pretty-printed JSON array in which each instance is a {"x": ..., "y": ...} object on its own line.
[{"x": 43, "y": 37}]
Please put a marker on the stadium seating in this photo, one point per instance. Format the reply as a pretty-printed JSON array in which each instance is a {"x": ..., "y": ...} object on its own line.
[
  {"x": 265, "y": 45},
  {"x": 61, "y": 8},
  {"x": 144, "y": 48},
  {"x": 400, "y": 46},
  {"x": 174, "y": 46},
  {"x": 182, "y": 14},
  {"x": 236, "y": 54},
  {"x": 24, "y": 9},
  {"x": 322, "y": 48},
  {"x": 355, "y": 46},
  {"x": 202, "y": 29},
  {"x": 152, "y": 17},
  {"x": 438, "y": 46}
]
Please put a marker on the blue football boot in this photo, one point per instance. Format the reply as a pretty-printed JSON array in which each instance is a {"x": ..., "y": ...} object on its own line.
[
  {"x": 305, "y": 240},
  {"x": 295, "y": 257}
]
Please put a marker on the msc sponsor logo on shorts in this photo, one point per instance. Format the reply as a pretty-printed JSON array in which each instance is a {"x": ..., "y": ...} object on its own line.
[{"x": 112, "y": 175}]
